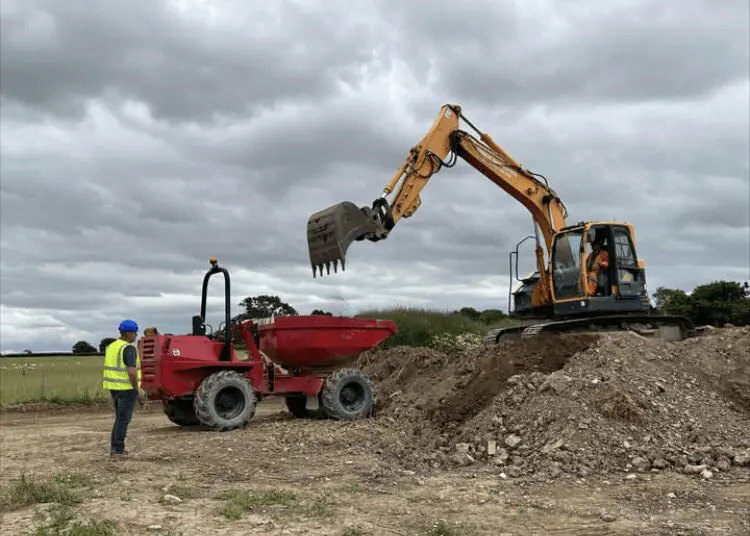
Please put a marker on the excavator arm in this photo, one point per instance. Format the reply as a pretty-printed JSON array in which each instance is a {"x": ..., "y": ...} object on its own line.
[{"x": 331, "y": 231}]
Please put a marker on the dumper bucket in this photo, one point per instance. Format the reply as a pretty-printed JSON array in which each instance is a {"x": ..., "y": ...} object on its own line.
[
  {"x": 331, "y": 231},
  {"x": 320, "y": 342}
]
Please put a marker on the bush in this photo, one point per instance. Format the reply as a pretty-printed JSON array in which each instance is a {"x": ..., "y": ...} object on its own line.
[{"x": 430, "y": 328}]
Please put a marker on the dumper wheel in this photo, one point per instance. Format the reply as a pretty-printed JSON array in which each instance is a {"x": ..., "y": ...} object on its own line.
[
  {"x": 347, "y": 395},
  {"x": 180, "y": 411},
  {"x": 297, "y": 405},
  {"x": 225, "y": 400}
]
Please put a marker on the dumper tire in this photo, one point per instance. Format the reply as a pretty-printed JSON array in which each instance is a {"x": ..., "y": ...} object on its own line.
[
  {"x": 297, "y": 406},
  {"x": 225, "y": 400},
  {"x": 347, "y": 395},
  {"x": 180, "y": 411}
]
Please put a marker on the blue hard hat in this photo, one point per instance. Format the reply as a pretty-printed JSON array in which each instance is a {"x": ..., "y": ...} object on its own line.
[{"x": 128, "y": 325}]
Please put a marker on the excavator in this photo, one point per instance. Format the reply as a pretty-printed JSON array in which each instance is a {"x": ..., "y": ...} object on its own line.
[{"x": 594, "y": 278}]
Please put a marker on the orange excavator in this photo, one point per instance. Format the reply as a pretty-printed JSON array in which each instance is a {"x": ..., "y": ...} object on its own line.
[{"x": 594, "y": 278}]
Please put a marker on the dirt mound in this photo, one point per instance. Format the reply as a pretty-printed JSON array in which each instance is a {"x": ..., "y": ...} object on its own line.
[{"x": 574, "y": 403}]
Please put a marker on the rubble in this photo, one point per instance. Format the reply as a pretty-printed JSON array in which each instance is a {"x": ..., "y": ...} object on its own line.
[{"x": 573, "y": 404}]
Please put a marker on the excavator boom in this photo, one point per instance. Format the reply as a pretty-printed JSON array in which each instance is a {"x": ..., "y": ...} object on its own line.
[{"x": 331, "y": 231}]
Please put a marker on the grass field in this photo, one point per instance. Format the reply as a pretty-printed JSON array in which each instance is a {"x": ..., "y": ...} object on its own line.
[
  {"x": 76, "y": 380},
  {"x": 65, "y": 379}
]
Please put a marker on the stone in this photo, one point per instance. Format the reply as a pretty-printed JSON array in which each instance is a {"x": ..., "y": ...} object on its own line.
[
  {"x": 512, "y": 441},
  {"x": 171, "y": 499},
  {"x": 660, "y": 463},
  {"x": 463, "y": 459},
  {"x": 693, "y": 469},
  {"x": 742, "y": 459},
  {"x": 640, "y": 463}
]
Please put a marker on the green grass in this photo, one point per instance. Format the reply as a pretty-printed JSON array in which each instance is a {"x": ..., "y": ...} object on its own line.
[
  {"x": 278, "y": 503},
  {"x": 418, "y": 327},
  {"x": 62, "y": 380},
  {"x": 62, "y": 522},
  {"x": 65, "y": 489}
]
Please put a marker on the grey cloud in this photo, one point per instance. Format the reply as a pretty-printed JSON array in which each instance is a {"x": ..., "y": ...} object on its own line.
[
  {"x": 578, "y": 53},
  {"x": 185, "y": 69}
]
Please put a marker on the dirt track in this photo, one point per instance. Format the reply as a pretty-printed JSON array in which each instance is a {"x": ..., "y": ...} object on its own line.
[{"x": 345, "y": 477}]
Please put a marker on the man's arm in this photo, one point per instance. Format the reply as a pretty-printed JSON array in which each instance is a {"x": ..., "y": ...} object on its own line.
[{"x": 128, "y": 356}]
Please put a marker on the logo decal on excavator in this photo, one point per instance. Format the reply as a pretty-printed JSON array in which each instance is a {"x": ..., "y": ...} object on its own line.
[{"x": 176, "y": 352}]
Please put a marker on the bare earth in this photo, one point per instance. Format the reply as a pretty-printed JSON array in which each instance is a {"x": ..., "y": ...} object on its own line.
[{"x": 346, "y": 478}]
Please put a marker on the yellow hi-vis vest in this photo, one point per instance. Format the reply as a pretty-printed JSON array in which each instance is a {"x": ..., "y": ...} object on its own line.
[{"x": 115, "y": 373}]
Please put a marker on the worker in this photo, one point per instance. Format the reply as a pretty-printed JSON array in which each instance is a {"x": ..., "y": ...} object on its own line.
[
  {"x": 597, "y": 263},
  {"x": 122, "y": 377}
]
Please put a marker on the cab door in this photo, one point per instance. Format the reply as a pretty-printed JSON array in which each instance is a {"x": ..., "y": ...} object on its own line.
[
  {"x": 629, "y": 277},
  {"x": 567, "y": 256}
]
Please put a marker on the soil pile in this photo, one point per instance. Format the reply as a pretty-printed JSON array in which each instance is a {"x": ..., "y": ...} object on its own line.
[{"x": 573, "y": 403}]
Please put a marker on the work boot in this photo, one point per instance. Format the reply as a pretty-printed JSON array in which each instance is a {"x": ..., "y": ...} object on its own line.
[{"x": 119, "y": 455}]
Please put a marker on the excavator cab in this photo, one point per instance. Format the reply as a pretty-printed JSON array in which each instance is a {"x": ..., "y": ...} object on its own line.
[{"x": 582, "y": 284}]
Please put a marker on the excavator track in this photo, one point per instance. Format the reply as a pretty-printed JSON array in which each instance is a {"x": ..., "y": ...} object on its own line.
[{"x": 670, "y": 327}]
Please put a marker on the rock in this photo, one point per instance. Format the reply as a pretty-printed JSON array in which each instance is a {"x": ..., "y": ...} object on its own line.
[
  {"x": 671, "y": 495},
  {"x": 631, "y": 476},
  {"x": 514, "y": 471},
  {"x": 693, "y": 469},
  {"x": 463, "y": 459},
  {"x": 462, "y": 448},
  {"x": 660, "y": 463},
  {"x": 512, "y": 441},
  {"x": 640, "y": 463},
  {"x": 491, "y": 447},
  {"x": 706, "y": 474},
  {"x": 501, "y": 457},
  {"x": 742, "y": 459},
  {"x": 723, "y": 465},
  {"x": 607, "y": 517},
  {"x": 557, "y": 382},
  {"x": 549, "y": 447},
  {"x": 171, "y": 499}
]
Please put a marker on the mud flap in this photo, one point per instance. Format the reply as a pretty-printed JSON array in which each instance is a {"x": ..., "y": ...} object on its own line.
[{"x": 331, "y": 231}]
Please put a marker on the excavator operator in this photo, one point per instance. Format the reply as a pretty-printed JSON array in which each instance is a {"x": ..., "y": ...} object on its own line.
[{"x": 597, "y": 263}]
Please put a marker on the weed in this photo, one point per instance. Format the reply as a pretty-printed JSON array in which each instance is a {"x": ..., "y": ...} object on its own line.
[
  {"x": 64, "y": 489},
  {"x": 356, "y": 488},
  {"x": 239, "y": 501},
  {"x": 283, "y": 502},
  {"x": 441, "y": 528},
  {"x": 63, "y": 522},
  {"x": 320, "y": 506}
]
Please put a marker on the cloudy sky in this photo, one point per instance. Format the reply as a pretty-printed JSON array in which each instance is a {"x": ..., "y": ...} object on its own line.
[{"x": 140, "y": 138}]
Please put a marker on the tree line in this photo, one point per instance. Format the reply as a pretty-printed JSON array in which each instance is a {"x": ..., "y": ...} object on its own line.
[{"x": 716, "y": 303}]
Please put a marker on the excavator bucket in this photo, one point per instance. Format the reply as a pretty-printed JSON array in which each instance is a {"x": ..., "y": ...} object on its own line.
[{"x": 331, "y": 231}]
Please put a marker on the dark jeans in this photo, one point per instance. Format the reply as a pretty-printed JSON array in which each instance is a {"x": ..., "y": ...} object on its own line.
[{"x": 124, "y": 402}]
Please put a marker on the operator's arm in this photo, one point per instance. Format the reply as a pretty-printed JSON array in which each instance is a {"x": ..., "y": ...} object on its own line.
[{"x": 128, "y": 356}]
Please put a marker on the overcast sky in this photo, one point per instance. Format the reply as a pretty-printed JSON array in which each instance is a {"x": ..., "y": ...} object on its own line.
[{"x": 139, "y": 138}]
